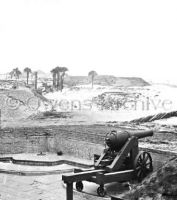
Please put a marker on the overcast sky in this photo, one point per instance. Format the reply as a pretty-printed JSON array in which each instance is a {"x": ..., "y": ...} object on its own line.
[{"x": 122, "y": 38}]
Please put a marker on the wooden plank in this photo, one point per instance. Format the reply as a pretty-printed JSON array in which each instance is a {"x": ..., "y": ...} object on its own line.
[
  {"x": 100, "y": 159},
  {"x": 70, "y": 178},
  {"x": 115, "y": 176},
  {"x": 77, "y": 170}
]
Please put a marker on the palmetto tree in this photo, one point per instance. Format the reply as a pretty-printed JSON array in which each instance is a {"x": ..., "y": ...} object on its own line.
[
  {"x": 92, "y": 74},
  {"x": 28, "y": 71},
  {"x": 58, "y": 74},
  {"x": 58, "y": 77},
  {"x": 15, "y": 73},
  {"x": 11, "y": 74},
  {"x": 54, "y": 74},
  {"x": 63, "y": 72}
]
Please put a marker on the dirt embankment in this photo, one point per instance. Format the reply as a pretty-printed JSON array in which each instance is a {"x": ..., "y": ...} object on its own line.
[
  {"x": 16, "y": 104},
  {"x": 162, "y": 184},
  {"x": 106, "y": 80}
]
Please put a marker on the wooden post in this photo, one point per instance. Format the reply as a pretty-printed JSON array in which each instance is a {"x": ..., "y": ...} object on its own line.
[
  {"x": 69, "y": 191},
  {"x": 35, "y": 83}
]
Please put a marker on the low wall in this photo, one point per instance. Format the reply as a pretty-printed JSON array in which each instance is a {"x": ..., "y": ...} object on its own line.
[
  {"x": 80, "y": 141},
  {"x": 70, "y": 140}
]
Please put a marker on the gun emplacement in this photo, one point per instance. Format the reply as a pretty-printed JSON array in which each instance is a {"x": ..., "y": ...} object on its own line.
[{"x": 120, "y": 161}]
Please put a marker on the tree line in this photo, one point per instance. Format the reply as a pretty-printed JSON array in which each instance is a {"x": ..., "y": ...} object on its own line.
[{"x": 58, "y": 74}]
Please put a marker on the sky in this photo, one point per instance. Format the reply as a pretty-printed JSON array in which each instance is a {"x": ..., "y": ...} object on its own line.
[{"x": 122, "y": 38}]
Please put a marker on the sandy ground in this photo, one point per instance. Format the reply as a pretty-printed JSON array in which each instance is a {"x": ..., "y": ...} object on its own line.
[
  {"x": 46, "y": 186},
  {"x": 20, "y": 108},
  {"x": 51, "y": 187}
]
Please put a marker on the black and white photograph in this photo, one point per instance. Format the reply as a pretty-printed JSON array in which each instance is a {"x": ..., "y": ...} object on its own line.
[{"x": 88, "y": 100}]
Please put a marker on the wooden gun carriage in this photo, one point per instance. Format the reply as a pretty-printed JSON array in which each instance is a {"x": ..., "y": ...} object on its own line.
[{"x": 120, "y": 161}]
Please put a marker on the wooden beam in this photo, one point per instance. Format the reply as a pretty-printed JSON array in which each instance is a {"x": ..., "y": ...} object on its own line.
[
  {"x": 115, "y": 176},
  {"x": 100, "y": 159},
  {"x": 70, "y": 178},
  {"x": 77, "y": 170}
]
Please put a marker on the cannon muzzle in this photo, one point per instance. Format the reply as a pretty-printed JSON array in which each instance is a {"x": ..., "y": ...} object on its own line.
[{"x": 115, "y": 140}]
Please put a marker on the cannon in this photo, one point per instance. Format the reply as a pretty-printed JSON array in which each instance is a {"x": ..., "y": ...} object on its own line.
[
  {"x": 116, "y": 139},
  {"x": 120, "y": 161}
]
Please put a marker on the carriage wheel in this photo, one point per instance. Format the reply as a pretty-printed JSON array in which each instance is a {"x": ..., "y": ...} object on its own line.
[
  {"x": 79, "y": 186},
  {"x": 101, "y": 191},
  {"x": 143, "y": 165}
]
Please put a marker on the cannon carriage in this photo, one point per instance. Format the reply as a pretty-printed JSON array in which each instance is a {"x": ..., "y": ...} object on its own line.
[{"x": 120, "y": 161}]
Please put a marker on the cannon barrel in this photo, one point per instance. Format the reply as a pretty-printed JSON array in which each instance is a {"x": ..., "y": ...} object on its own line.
[
  {"x": 142, "y": 134},
  {"x": 115, "y": 140}
]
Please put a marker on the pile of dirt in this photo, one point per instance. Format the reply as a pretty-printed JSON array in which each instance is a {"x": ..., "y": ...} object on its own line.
[
  {"x": 162, "y": 184},
  {"x": 10, "y": 84},
  {"x": 114, "y": 100},
  {"x": 50, "y": 115},
  {"x": 20, "y": 103}
]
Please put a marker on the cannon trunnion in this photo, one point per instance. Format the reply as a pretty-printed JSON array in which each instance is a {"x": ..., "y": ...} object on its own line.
[{"x": 120, "y": 161}]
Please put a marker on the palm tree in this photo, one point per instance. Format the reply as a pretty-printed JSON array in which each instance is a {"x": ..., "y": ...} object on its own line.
[
  {"x": 28, "y": 71},
  {"x": 58, "y": 71},
  {"x": 63, "y": 70},
  {"x": 58, "y": 77},
  {"x": 54, "y": 74},
  {"x": 11, "y": 74},
  {"x": 16, "y": 73},
  {"x": 92, "y": 74}
]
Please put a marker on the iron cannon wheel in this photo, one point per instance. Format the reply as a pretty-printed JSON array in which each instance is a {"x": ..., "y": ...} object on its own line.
[
  {"x": 79, "y": 186},
  {"x": 101, "y": 191},
  {"x": 143, "y": 165}
]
